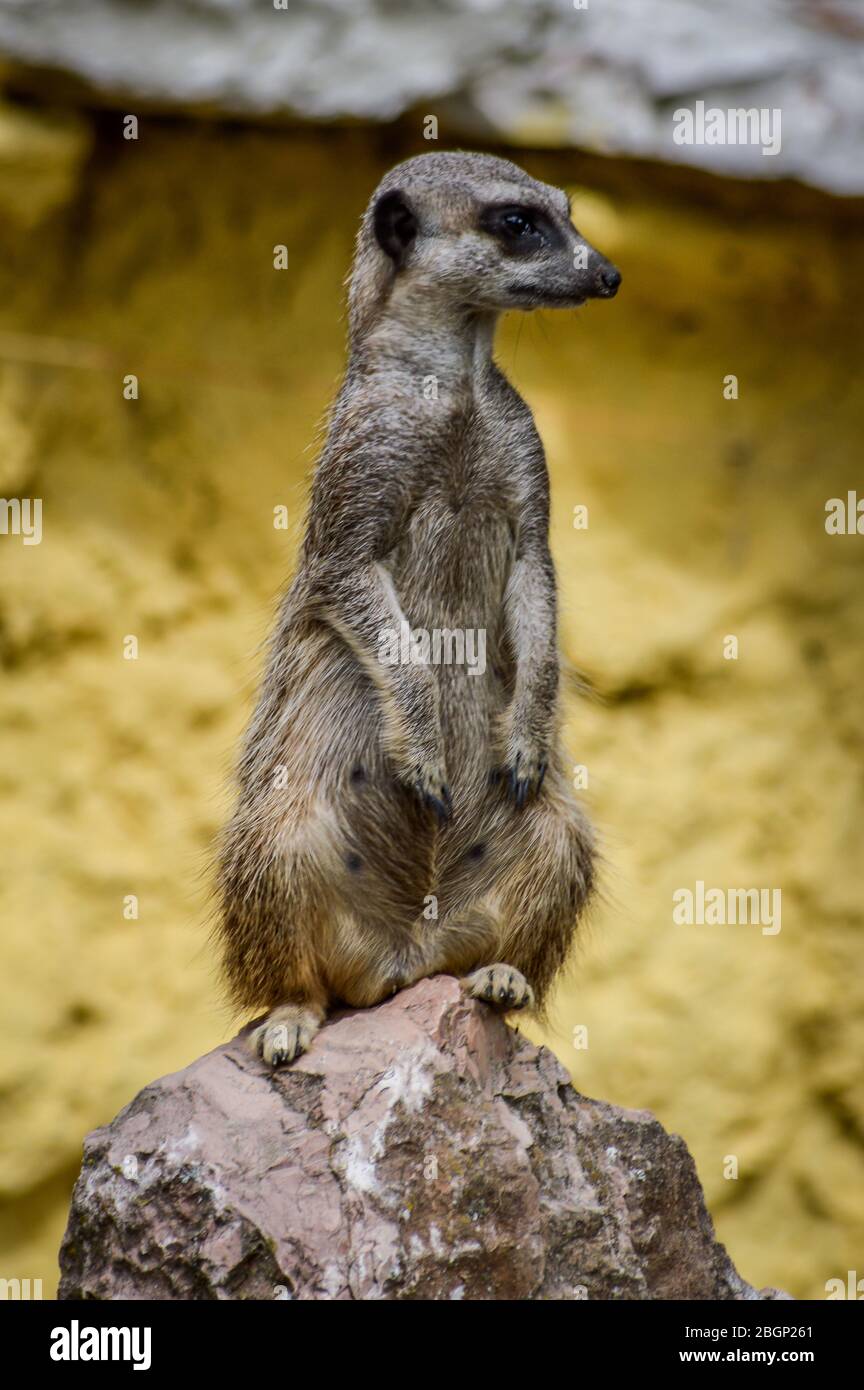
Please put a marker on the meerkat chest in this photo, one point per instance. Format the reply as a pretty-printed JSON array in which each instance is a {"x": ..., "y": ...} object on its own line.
[
  {"x": 457, "y": 548},
  {"x": 474, "y": 470},
  {"x": 470, "y": 478},
  {"x": 460, "y": 517},
  {"x": 468, "y": 496}
]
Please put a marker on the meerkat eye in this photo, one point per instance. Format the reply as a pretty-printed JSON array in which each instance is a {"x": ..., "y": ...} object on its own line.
[
  {"x": 520, "y": 229},
  {"x": 517, "y": 223}
]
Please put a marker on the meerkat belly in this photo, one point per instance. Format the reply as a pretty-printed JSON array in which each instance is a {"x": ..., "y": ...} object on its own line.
[{"x": 450, "y": 574}]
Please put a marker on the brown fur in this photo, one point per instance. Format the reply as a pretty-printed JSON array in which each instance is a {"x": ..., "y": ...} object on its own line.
[{"x": 435, "y": 510}]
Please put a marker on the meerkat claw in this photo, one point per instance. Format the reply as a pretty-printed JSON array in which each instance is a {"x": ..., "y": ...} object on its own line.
[
  {"x": 503, "y": 986},
  {"x": 524, "y": 778},
  {"x": 441, "y": 805},
  {"x": 284, "y": 1035},
  {"x": 434, "y": 792}
]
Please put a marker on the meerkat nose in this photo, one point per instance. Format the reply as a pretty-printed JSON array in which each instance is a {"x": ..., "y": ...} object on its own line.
[{"x": 610, "y": 279}]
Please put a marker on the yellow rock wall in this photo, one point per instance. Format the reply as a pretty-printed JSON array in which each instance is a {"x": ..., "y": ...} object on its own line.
[{"x": 706, "y": 518}]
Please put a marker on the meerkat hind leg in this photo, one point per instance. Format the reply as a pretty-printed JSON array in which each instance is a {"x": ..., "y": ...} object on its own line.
[
  {"x": 501, "y": 985},
  {"x": 285, "y": 1033}
]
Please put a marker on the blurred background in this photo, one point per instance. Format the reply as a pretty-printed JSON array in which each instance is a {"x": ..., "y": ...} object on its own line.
[{"x": 261, "y": 125}]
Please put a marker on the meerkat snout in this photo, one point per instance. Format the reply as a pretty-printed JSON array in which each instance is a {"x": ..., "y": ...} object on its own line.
[
  {"x": 478, "y": 233},
  {"x": 609, "y": 278}
]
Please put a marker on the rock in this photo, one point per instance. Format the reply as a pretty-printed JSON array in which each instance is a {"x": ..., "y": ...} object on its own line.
[
  {"x": 604, "y": 77},
  {"x": 422, "y": 1149}
]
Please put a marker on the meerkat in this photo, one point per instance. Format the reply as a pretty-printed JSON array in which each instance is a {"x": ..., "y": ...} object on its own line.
[{"x": 402, "y": 818}]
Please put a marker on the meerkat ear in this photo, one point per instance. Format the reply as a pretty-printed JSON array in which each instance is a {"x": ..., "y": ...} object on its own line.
[{"x": 395, "y": 225}]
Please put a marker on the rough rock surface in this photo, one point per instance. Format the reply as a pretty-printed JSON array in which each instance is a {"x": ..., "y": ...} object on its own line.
[
  {"x": 422, "y": 1149},
  {"x": 606, "y": 76}
]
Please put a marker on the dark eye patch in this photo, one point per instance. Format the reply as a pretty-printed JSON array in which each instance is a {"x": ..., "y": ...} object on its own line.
[{"x": 522, "y": 229}]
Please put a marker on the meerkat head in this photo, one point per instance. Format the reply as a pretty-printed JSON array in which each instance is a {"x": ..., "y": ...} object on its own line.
[{"x": 473, "y": 232}]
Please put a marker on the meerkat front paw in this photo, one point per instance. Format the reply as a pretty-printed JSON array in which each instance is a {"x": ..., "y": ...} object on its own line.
[
  {"x": 501, "y": 985},
  {"x": 524, "y": 771},
  {"x": 428, "y": 779},
  {"x": 284, "y": 1035}
]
